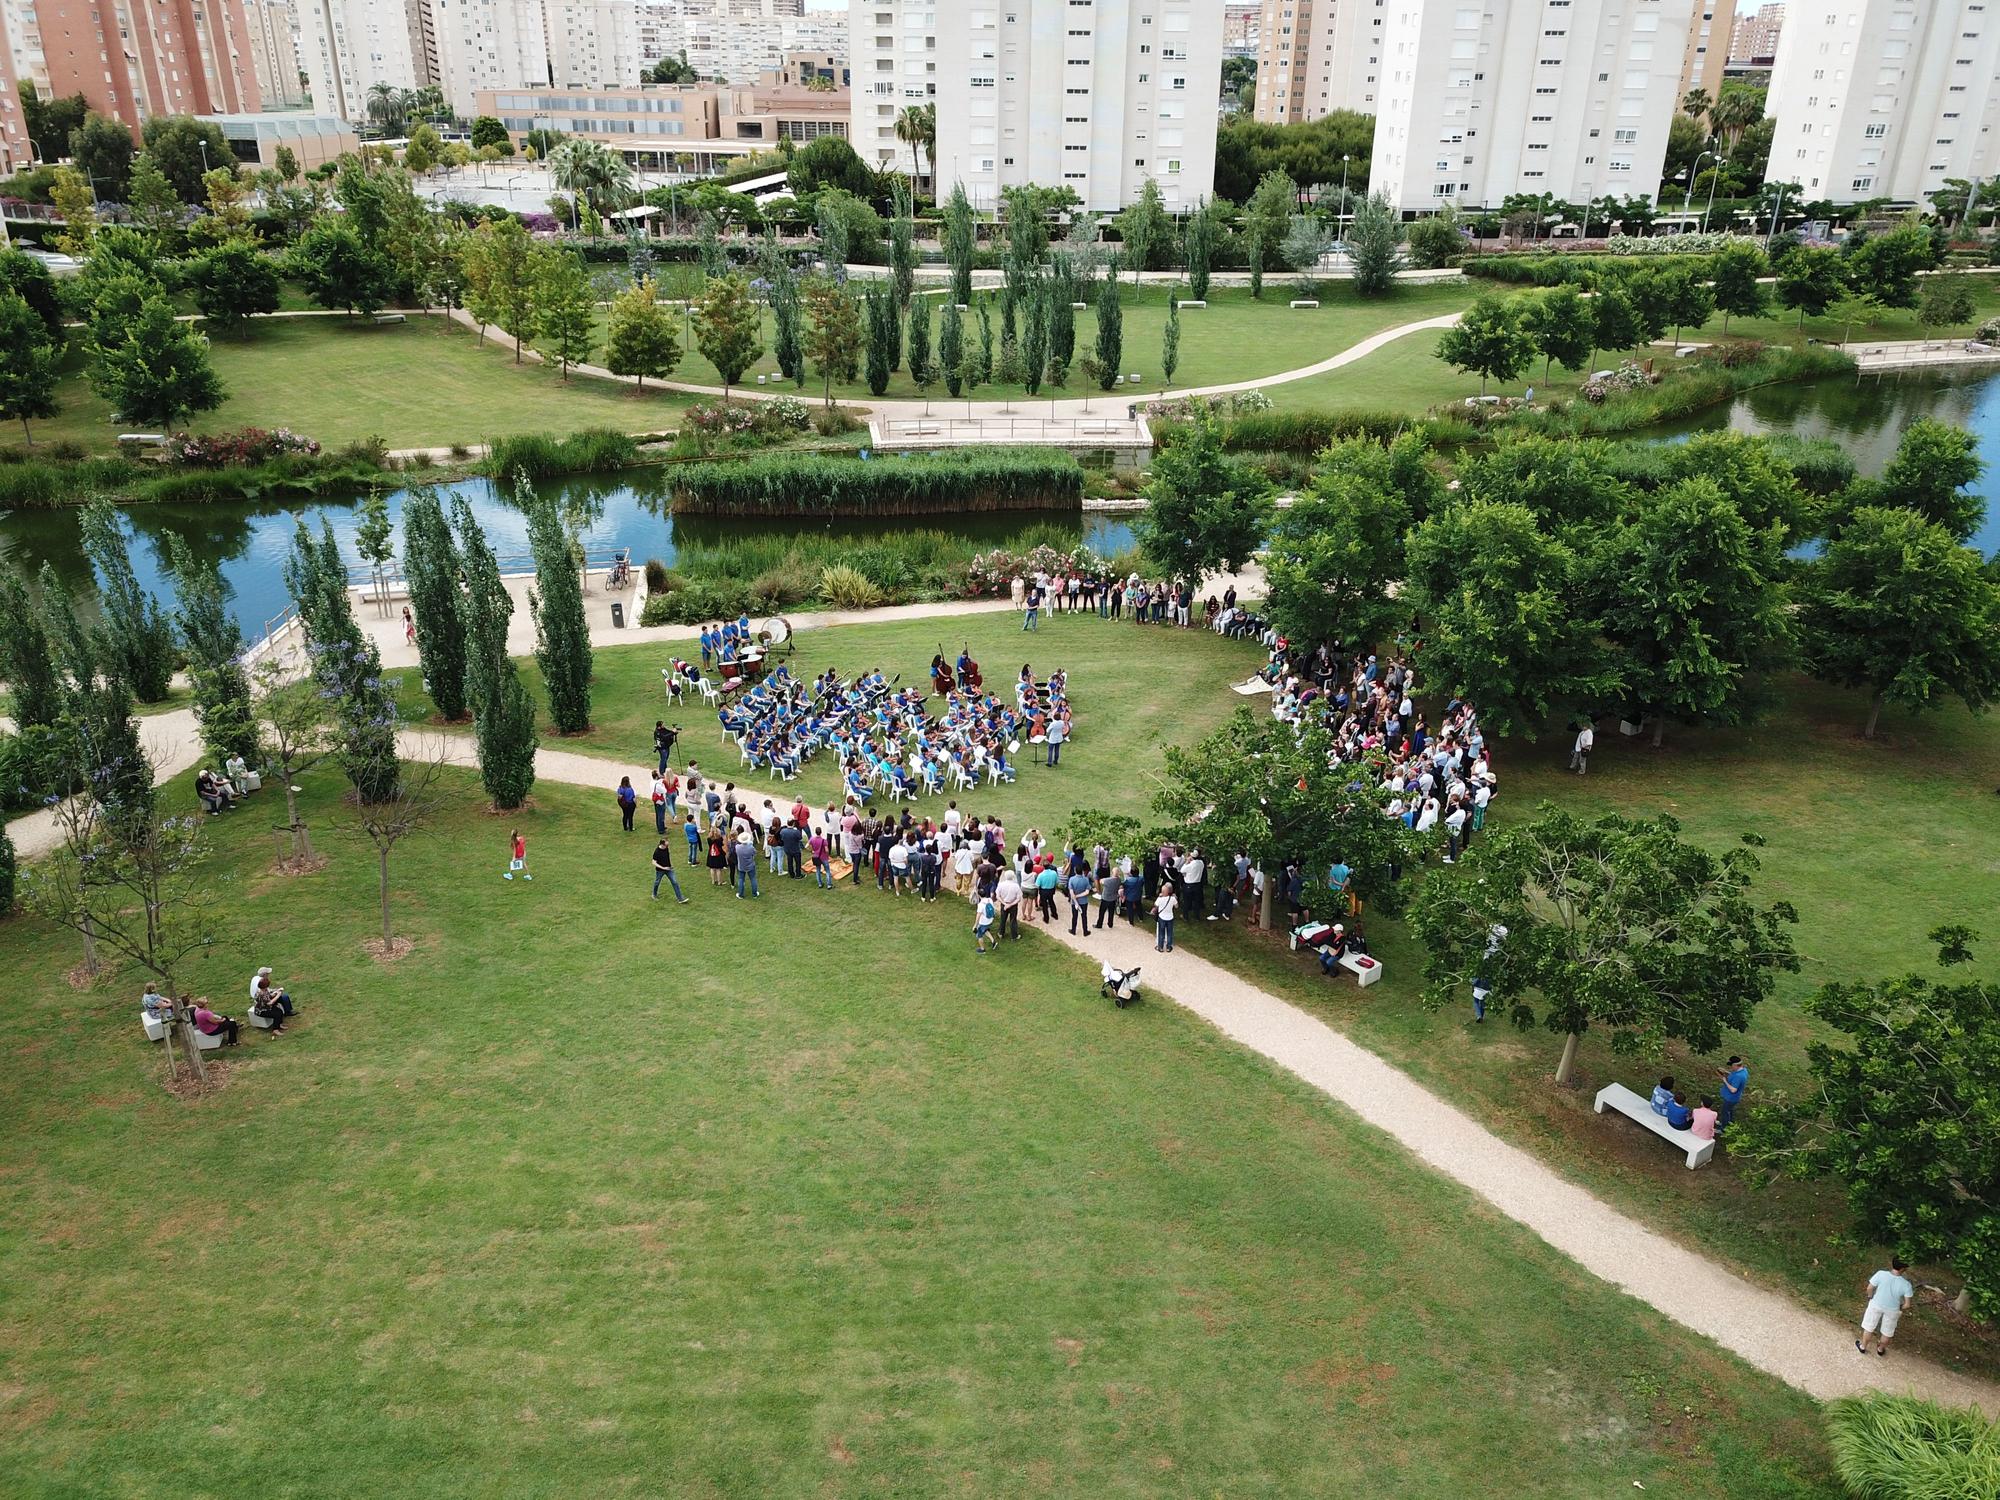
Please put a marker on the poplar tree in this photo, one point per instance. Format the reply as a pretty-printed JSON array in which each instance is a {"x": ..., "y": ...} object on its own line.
[
  {"x": 1110, "y": 334},
  {"x": 562, "y": 636},
  {"x": 214, "y": 646},
  {"x": 431, "y": 564},
  {"x": 951, "y": 347},
  {"x": 141, "y": 642},
  {"x": 346, "y": 665},
  {"x": 503, "y": 713}
]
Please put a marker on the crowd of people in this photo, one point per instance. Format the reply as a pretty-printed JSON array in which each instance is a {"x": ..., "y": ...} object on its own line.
[
  {"x": 1158, "y": 601},
  {"x": 221, "y": 791}
]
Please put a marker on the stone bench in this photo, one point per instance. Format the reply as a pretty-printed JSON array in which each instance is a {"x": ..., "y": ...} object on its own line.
[
  {"x": 1638, "y": 1107},
  {"x": 1201, "y": 302},
  {"x": 1365, "y": 968},
  {"x": 156, "y": 1026},
  {"x": 1305, "y": 302},
  {"x": 389, "y": 318}
]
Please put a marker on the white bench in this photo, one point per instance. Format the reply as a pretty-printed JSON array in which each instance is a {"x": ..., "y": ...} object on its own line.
[
  {"x": 1639, "y": 1107},
  {"x": 1365, "y": 968},
  {"x": 920, "y": 429},
  {"x": 262, "y": 1023},
  {"x": 156, "y": 1026},
  {"x": 388, "y": 317},
  {"x": 1305, "y": 302},
  {"x": 1195, "y": 302},
  {"x": 206, "y": 1041}
]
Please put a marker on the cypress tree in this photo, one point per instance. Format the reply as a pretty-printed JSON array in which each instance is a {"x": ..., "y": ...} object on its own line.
[
  {"x": 951, "y": 347},
  {"x": 1110, "y": 334},
  {"x": 985, "y": 365},
  {"x": 562, "y": 637},
  {"x": 1170, "y": 342},
  {"x": 96, "y": 725},
  {"x": 346, "y": 666},
  {"x": 503, "y": 713},
  {"x": 26, "y": 661},
  {"x": 431, "y": 564},
  {"x": 141, "y": 640},
  {"x": 1035, "y": 343},
  {"x": 214, "y": 645},
  {"x": 881, "y": 318}
]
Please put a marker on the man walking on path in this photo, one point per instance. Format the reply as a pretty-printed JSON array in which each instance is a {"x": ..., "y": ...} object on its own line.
[
  {"x": 1735, "y": 1079},
  {"x": 1889, "y": 1296},
  {"x": 663, "y": 869}
]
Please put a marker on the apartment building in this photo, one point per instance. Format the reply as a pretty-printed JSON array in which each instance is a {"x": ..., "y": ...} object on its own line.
[
  {"x": 697, "y": 129},
  {"x": 592, "y": 43},
  {"x": 1885, "y": 98},
  {"x": 489, "y": 44},
  {"x": 892, "y": 49},
  {"x": 1096, "y": 96},
  {"x": 349, "y": 46},
  {"x": 1316, "y": 56},
  {"x": 1240, "y": 21},
  {"x": 274, "y": 54},
  {"x": 133, "y": 60},
  {"x": 1482, "y": 100},
  {"x": 736, "y": 40},
  {"x": 1754, "y": 36},
  {"x": 16, "y": 150},
  {"x": 1710, "y": 27}
]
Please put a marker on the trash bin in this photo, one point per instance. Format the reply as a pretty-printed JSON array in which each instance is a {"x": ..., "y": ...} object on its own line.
[{"x": 617, "y": 614}]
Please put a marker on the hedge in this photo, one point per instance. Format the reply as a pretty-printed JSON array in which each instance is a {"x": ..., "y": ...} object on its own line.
[
  {"x": 780, "y": 484},
  {"x": 1575, "y": 270}
]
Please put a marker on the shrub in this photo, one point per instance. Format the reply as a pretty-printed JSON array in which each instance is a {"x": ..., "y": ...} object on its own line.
[
  {"x": 656, "y": 576},
  {"x": 976, "y": 480},
  {"x": 249, "y": 445},
  {"x": 1736, "y": 355},
  {"x": 1627, "y": 377},
  {"x": 846, "y": 587},
  {"x": 787, "y": 413},
  {"x": 833, "y": 421},
  {"x": 539, "y": 457},
  {"x": 657, "y": 610},
  {"x": 1906, "y": 1448},
  {"x": 1988, "y": 332}
]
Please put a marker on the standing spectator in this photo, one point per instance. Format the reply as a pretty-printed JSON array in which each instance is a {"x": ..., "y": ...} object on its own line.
[
  {"x": 1058, "y": 731},
  {"x": 1735, "y": 1079},
  {"x": 628, "y": 801},
  {"x": 1579, "y": 754},
  {"x": 821, "y": 851},
  {"x": 792, "y": 838},
  {"x": 1008, "y": 893},
  {"x": 1193, "y": 873},
  {"x": 746, "y": 867},
  {"x": 718, "y": 856},
  {"x": 1164, "y": 910},
  {"x": 1079, "y": 902},
  {"x": 663, "y": 869},
  {"x": 663, "y": 742},
  {"x": 691, "y": 831},
  {"x": 1034, "y": 605},
  {"x": 659, "y": 804},
  {"x": 1046, "y": 880},
  {"x": 1889, "y": 1297}
]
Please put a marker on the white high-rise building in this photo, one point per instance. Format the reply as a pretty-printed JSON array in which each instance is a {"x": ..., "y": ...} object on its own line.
[
  {"x": 1485, "y": 99},
  {"x": 1097, "y": 97},
  {"x": 1885, "y": 98},
  {"x": 349, "y": 46},
  {"x": 274, "y": 54},
  {"x": 489, "y": 44},
  {"x": 892, "y": 48},
  {"x": 1316, "y": 56},
  {"x": 593, "y": 44}
]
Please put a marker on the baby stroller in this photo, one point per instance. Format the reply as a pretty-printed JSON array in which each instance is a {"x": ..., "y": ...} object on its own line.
[{"x": 1121, "y": 985}]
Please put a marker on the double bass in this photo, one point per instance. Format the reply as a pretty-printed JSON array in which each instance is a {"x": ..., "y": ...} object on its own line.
[
  {"x": 969, "y": 677},
  {"x": 941, "y": 678}
]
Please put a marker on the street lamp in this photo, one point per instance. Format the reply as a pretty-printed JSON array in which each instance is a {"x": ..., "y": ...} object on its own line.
[
  {"x": 1687, "y": 193},
  {"x": 199, "y": 141},
  {"x": 1713, "y": 178},
  {"x": 1776, "y": 209},
  {"x": 1343, "y": 196}
]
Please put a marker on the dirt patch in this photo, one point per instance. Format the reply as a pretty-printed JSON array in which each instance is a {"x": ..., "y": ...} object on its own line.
[
  {"x": 389, "y": 952},
  {"x": 184, "y": 1085},
  {"x": 1345, "y": 1380},
  {"x": 837, "y": 1451},
  {"x": 527, "y": 805},
  {"x": 80, "y": 977},
  {"x": 1072, "y": 1350},
  {"x": 303, "y": 864}
]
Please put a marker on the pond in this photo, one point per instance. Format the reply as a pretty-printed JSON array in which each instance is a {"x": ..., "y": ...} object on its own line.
[
  {"x": 251, "y": 541},
  {"x": 1867, "y": 418}
]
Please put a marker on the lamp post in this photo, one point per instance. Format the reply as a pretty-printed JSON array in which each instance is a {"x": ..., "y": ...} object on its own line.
[
  {"x": 1687, "y": 194},
  {"x": 199, "y": 141},
  {"x": 1713, "y": 177},
  {"x": 1776, "y": 209},
  {"x": 1343, "y": 197}
]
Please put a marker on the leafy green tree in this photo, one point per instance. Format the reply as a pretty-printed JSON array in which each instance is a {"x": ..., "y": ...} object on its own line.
[
  {"x": 488, "y": 131},
  {"x": 30, "y": 280},
  {"x": 1810, "y": 279},
  {"x": 1496, "y": 597},
  {"x": 1265, "y": 219},
  {"x": 1885, "y": 266},
  {"x": 1205, "y": 511},
  {"x": 346, "y": 666},
  {"x": 829, "y": 162},
  {"x": 565, "y": 310},
  {"x": 1897, "y": 607},
  {"x": 1374, "y": 247},
  {"x": 95, "y": 723},
  {"x": 951, "y": 348},
  {"x": 223, "y": 706},
  {"x": 562, "y": 637},
  {"x": 833, "y": 334},
  {"x": 1110, "y": 351},
  {"x": 1199, "y": 242},
  {"x": 1306, "y": 240},
  {"x": 1488, "y": 341},
  {"x": 903, "y": 248},
  {"x": 1683, "y": 297},
  {"x": 503, "y": 712},
  {"x": 1170, "y": 342},
  {"x": 499, "y": 273},
  {"x": 1735, "y": 270},
  {"x": 1901, "y": 1114},
  {"x": 30, "y": 364},
  {"x": 1010, "y": 340},
  {"x": 432, "y": 565},
  {"x": 959, "y": 236},
  {"x": 157, "y": 210},
  {"x": 983, "y": 358},
  {"x": 158, "y": 372},
  {"x": 1934, "y": 464},
  {"x": 1334, "y": 557},
  {"x": 1947, "y": 300},
  {"x": 27, "y": 661},
  {"x": 73, "y": 199},
  {"x": 922, "y": 369},
  {"x": 675, "y": 69},
  {"x": 1436, "y": 241},
  {"x": 425, "y": 150},
  {"x": 102, "y": 151},
  {"x": 1617, "y": 322},
  {"x": 880, "y": 307},
  {"x": 174, "y": 142},
  {"x": 1568, "y": 487},
  {"x": 50, "y": 122},
  {"x": 340, "y": 271},
  {"x": 1691, "y": 605},
  {"x": 1035, "y": 337},
  {"x": 1563, "y": 327},
  {"x": 1145, "y": 228},
  {"x": 285, "y": 162},
  {"x": 232, "y": 283},
  {"x": 639, "y": 338},
  {"x": 1614, "y": 923},
  {"x": 727, "y": 329}
]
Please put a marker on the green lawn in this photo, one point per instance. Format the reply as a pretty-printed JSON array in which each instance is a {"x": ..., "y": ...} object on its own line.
[
  {"x": 1849, "y": 824},
  {"x": 424, "y": 382},
  {"x": 591, "y": 1195}
]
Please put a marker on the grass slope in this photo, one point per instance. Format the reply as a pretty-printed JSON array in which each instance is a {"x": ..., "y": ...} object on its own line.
[{"x": 591, "y": 1195}]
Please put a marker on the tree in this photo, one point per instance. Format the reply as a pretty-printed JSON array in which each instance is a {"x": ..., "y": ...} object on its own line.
[
  {"x": 1809, "y": 279},
  {"x": 1265, "y": 218},
  {"x": 565, "y": 310},
  {"x": 30, "y": 280},
  {"x": 1695, "y": 104},
  {"x": 1691, "y": 605},
  {"x": 1615, "y": 322},
  {"x": 923, "y": 370},
  {"x": 1436, "y": 241},
  {"x": 1736, "y": 289},
  {"x": 77, "y": 204},
  {"x": 1374, "y": 241},
  {"x": 1316, "y": 153},
  {"x": 295, "y": 718},
  {"x": 1902, "y": 1117},
  {"x": 1615, "y": 923},
  {"x": 1563, "y": 327},
  {"x": 340, "y": 271},
  {"x": 562, "y": 638},
  {"x": 833, "y": 338},
  {"x": 914, "y": 126},
  {"x": 95, "y": 724},
  {"x": 1934, "y": 463},
  {"x": 951, "y": 348},
  {"x": 409, "y": 808},
  {"x": 1896, "y": 606},
  {"x": 1144, "y": 227},
  {"x": 674, "y": 69},
  {"x": 30, "y": 364},
  {"x": 51, "y": 122},
  {"x": 156, "y": 208},
  {"x": 140, "y": 641},
  {"x": 1110, "y": 351},
  {"x": 1335, "y": 555},
  {"x": 500, "y": 279},
  {"x": 727, "y": 329},
  {"x": 958, "y": 243},
  {"x": 1170, "y": 343},
  {"x": 431, "y": 565},
  {"x": 829, "y": 162},
  {"x": 1496, "y": 596},
  {"x": 157, "y": 373},
  {"x": 639, "y": 338},
  {"x": 488, "y": 131},
  {"x": 27, "y": 661},
  {"x": 590, "y": 171},
  {"x": 102, "y": 150},
  {"x": 1488, "y": 341},
  {"x": 1306, "y": 240},
  {"x": 1198, "y": 245},
  {"x": 214, "y": 645},
  {"x": 1946, "y": 300},
  {"x": 503, "y": 713},
  {"x": 232, "y": 283},
  {"x": 903, "y": 247},
  {"x": 425, "y": 150},
  {"x": 1206, "y": 512},
  {"x": 1886, "y": 265},
  {"x": 346, "y": 666},
  {"x": 285, "y": 162},
  {"x": 1681, "y": 296},
  {"x": 175, "y": 142}
]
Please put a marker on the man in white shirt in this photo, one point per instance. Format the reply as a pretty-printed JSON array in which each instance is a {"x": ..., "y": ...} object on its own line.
[
  {"x": 1889, "y": 1297},
  {"x": 1579, "y": 755}
]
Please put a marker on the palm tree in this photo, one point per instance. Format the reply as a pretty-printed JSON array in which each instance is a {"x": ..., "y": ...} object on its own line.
[
  {"x": 910, "y": 131},
  {"x": 1695, "y": 103},
  {"x": 1735, "y": 112},
  {"x": 590, "y": 169},
  {"x": 388, "y": 106}
]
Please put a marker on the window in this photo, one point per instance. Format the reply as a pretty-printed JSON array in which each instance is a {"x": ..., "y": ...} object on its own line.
[
  {"x": 1860, "y": 184},
  {"x": 1875, "y": 131}
]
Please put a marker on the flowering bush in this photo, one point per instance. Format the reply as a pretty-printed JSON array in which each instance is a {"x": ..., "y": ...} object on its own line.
[
  {"x": 1670, "y": 244},
  {"x": 712, "y": 418},
  {"x": 251, "y": 445},
  {"x": 1989, "y": 331},
  {"x": 1627, "y": 377},
  {"x": 993, "y": 573},
  {"x": 788, "y": 413},
  {"x": 1235, "y": 404}
]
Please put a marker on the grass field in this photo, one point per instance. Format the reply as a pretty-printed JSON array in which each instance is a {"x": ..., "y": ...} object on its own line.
[
  {"x": 1847, "y": 823},
  {"x": 591, "y": 1195}
]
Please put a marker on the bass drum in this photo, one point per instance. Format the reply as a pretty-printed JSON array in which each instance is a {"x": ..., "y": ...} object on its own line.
[{"x": 775, "y": 636}]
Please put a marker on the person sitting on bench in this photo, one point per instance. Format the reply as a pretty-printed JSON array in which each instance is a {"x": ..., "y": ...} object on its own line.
[
  {"x": 1678, "y": 1114},
  {"x": 209, "y": 1023},
  {"x": 215, "y": 796},
  {"x": 270, "y": 1002},
  {"x": 1663, "y": 1095},
  {"x": 1331, "y": 949},
  {"x": 156, "y": 1005},
  {"x": 242, "y": 777}
]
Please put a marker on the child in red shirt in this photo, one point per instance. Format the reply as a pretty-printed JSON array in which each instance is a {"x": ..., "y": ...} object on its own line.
[{"x": 519, "y": 863}]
